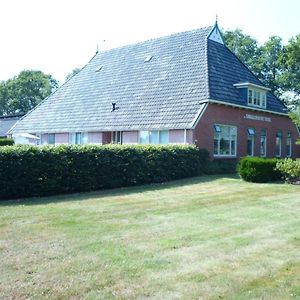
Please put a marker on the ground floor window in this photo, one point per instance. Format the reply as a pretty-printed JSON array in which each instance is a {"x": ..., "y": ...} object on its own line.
[
  {"x": 289, "y": 145},
  {"x": 250, "y": 141},
  {"x": 278, "y": 143},
  {"x": 51, "y": 138},
  {"x": 117, "y": 137},
  {"x": 77, "y": 138},
  {"x": 154, "y": 137},
  {"x": 225, "y": 140},
  {"x": 39, "y": 139},
  {"x": 263, "y": 143}
]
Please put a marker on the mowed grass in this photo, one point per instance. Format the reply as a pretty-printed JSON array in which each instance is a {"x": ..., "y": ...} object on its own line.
[{"x": 209, "y": 237}]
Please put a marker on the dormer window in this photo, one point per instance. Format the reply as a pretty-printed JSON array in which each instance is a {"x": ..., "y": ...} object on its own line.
[
  {"x": 256, "y": 98},
  {"x": 254, "y": 95}
]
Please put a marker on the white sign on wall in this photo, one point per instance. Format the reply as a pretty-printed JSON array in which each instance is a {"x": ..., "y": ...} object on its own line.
[{"x": 257, "y": 118}]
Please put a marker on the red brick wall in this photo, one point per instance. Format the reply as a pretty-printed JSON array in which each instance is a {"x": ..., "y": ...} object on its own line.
[{"x": 221, "y": 114}]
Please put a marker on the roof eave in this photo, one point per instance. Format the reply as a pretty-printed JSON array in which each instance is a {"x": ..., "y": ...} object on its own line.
[{"x": 245, "y": 107}]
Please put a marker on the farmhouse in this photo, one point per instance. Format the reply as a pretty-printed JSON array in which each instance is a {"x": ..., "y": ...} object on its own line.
[{"x": 186, "y": 88}]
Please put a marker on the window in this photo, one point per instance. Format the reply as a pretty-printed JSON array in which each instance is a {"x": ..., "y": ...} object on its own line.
[
  {"x": 39, "y": 140},
  {"x": 77, "y": 138},
  {"x": 164, "y": 137},
  {"x": 263, "y": 143},
  {"x": 51, "y": 138},
  {"x": 224, "y": 140},
  {"x": 289, "y": 145},
  {"x": 154, "y": 137},
  {"x": 278, "y": 144},
  {"x": 117, "y": 137},
  {"x": 256, "y": 98},
  {"x": 250, "y": 141}
]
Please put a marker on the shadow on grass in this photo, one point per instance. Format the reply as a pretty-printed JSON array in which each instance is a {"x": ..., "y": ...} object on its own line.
[{"x": 121, "y": 191}]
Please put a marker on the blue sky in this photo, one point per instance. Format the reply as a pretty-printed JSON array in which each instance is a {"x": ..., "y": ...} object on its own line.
[{"x": 56, "y": 36}]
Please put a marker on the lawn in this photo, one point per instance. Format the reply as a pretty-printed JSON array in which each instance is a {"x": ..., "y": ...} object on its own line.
[{"x": 209, "y": 237}]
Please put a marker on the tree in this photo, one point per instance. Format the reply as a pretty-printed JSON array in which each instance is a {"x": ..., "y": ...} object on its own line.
[
  {"x": 277, "y": 66},
  {"x": 271, "y": 64},
  {"x": 245, "y": 48},
  {"x": 23, "y": 92},
  {"x": 73, "y": 73},
  {"x": 291, "y": 60}
]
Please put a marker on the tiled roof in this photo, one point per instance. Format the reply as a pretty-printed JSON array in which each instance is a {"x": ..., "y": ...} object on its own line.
[
  {"x": 225, "y": 70},
  {"x": 6, "y": 123},
  {"x": 157, "y": 84}
]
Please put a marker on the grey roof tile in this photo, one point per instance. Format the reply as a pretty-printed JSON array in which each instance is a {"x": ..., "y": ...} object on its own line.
[
  {"x": 165, "y": 92},
  {"x": 6, "y": 123}
]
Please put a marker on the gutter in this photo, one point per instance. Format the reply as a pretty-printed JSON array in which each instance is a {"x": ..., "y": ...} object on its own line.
[{"x": 243, "y": 107}]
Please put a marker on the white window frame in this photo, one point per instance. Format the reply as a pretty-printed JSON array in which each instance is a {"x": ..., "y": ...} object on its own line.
[
  {"x": 159, "y": 132},
  {"x": 117, "y": 137},
  {"x": 263, "y": 138},
  {"x": 73, "y": 138},
  {"x": 217, "y": 132},
  {"x": 39, "y": 141},
  {"x": 251, "y": 137},
  {"x": 256, "y": 98},
  {"x": 289, "y": 145},
  {"x": 278, "y": 138}
]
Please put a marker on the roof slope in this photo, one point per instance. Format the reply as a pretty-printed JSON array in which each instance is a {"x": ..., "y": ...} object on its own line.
[
  {"x": 162, "y": 93},
  {"x": 6, "y": 123},
  {"x": 225, "y": 70},
  {"x": 166, "y": 92}
]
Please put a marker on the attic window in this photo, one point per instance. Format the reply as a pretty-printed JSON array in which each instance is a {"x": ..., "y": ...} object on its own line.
[
  {"x": 256, "y": 94},
  {"x": 257, "y": 98},
  {"x": 217, "y": 128},
  {"x": 98, "y": 68},
  {"x": 148, "y": 58},
  {"x": 251, "y": 131}
]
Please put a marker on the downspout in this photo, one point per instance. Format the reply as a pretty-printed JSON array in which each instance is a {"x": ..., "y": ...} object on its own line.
[{"x": 184, "y": 141}]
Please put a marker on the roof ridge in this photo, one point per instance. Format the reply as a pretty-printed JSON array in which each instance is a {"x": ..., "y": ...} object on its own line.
[{"x": 155, "y": 39}]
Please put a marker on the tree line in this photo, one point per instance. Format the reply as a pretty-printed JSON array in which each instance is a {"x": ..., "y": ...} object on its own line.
[{"x": 275, "y": 64}]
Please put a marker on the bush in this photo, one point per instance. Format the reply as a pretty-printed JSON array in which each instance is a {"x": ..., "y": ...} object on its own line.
[
  {"x": 6, "y": 142},
  {"x": 256, "y": 169},
  {"x": 290, "y": 169},
  {"x": 221, "y": 167},
  {"x": 27, "y": 171}
]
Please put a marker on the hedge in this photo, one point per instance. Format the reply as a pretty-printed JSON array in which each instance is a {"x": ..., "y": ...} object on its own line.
[
  {"x": 6, "y": 142},
  {"x": 290, "y": 169},
  {"x": 221, "y": 166},
  {"x": 256, "y": 169},
  {"x": 27, "y": 171}
]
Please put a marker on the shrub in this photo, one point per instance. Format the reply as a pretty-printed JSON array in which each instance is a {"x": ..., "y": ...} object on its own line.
[
  {"x": 6, "y": 142},
  {"x": 290, "y": 169},
  {"x": 256, "y": 169},
  {"x": 27, "y": 171},
  {"x": 221, "y": 167}
]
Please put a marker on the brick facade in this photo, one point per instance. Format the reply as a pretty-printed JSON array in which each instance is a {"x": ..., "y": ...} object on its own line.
[{"x": 244, "y": 119}]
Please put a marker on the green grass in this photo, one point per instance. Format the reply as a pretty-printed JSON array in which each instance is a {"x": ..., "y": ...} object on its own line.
[{"x": 203, "y": 238}]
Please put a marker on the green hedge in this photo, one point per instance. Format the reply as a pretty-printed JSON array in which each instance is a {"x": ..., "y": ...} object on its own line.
[
  {"x": 221, "y": 166},
  {"x": 6, "y": 142},
  {"x": 256, "y": 169},
  {"x": 290, "y": 169},
  {"x": 27, "y": 171}
]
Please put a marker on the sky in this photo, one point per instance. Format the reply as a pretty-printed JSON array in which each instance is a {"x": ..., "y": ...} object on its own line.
[{"x": 56, "y": 36}]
